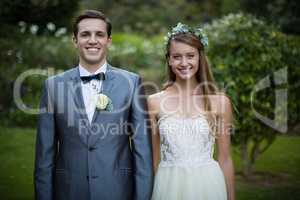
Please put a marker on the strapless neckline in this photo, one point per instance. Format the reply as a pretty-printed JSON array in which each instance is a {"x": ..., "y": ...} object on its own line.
[{"x": 181, "y": 117}]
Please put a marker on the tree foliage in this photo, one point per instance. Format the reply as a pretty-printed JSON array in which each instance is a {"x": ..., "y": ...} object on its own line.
[
  {"x": 285, "y": 13},
  {"x": 152, "y": 17},
  {"x": 38, "y": 12}
]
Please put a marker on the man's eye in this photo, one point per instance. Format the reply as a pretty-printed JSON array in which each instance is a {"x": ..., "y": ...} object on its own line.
[
  {"x": 100, "y": 34},
  {"x": 176, "y": 56},
  {"x": 190, "y": 56},
  {"x": 83, "y": 34}
]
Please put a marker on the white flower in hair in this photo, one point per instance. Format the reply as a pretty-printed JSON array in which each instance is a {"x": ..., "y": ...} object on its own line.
[{"x": 202, "y": 36}]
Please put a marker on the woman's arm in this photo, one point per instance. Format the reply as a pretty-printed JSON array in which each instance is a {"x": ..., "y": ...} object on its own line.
[
  {"x": 153, "y": 112},
  {"x": 223, "y": 144}
]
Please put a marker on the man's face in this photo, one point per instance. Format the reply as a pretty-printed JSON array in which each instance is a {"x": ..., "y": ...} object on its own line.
[{"x": 92, "y": 42}]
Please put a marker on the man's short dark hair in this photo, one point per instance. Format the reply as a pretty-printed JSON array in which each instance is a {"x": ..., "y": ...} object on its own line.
[{"x": 92, "y": 14}]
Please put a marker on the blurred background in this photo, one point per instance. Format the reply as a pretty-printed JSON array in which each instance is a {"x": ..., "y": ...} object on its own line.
[{"x": 251, "y": 42}]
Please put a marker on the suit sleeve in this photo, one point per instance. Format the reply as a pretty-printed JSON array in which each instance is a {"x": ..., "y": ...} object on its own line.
[
  {"x": 46, "y": 145},
  {"x": 141, "y": 145}
]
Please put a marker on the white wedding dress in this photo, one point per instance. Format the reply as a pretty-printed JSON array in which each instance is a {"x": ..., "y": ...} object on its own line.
[{"x": 187, "y": 170}]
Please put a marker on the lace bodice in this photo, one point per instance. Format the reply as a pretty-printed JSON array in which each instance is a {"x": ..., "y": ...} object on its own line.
[{"x": 185, "y": 141}]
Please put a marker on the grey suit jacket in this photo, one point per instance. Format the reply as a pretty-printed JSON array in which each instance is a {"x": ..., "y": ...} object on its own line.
[{"x": 111, "y": 158}]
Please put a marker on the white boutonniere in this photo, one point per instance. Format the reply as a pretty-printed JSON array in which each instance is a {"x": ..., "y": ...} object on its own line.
[{"x": 104, "y": 102}]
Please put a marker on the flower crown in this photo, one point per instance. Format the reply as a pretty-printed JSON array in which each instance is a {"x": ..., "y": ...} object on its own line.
[{"x": 183, "y": 28}]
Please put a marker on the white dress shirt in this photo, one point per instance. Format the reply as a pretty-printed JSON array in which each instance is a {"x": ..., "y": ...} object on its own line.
[{"x": 90, "y": 90}]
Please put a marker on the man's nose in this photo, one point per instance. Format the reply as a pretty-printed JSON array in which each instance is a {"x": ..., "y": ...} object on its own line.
[{"x": 92, "y": 39}]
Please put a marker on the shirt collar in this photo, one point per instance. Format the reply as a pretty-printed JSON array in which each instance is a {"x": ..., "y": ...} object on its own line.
[{"x": 84, "y": 72}]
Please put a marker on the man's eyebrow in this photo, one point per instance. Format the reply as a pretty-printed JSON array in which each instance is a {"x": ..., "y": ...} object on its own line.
[
  {"x": 84, "y": 31},
  {"x": 88, "y": 31}
]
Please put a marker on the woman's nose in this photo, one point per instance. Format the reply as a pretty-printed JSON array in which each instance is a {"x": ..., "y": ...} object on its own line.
[{"x": 184, "y": 61}]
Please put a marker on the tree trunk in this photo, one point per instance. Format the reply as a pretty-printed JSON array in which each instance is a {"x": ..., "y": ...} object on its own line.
[
  {"x": 246, "y": 166},
  {"x": 249, "y": 158}
]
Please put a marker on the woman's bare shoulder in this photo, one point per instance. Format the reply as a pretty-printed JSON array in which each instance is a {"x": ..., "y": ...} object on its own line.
[
  {"x": 154, "y": 101},
  {"x": 220, "y": 102},
  {"x": 155, "y": 97}
]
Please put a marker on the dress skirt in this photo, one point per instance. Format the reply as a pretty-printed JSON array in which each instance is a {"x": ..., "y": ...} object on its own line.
[{"x": 190, "y": 183}]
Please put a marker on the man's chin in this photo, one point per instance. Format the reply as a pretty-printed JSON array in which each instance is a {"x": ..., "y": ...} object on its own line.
[{"x": 94, "y": 61}]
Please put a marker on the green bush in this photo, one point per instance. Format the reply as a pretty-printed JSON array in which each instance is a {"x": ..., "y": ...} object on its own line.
[
  {"x": 243, "y": 52},
  {"x": 136, "y": 52},
  {"x": 290, "y": 56}
]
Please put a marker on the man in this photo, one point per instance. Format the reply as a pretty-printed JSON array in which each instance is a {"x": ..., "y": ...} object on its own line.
[{"x": 92, "y": 138}]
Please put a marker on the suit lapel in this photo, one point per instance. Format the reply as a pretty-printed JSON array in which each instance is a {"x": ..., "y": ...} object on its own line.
[
  {"x": 76, "y": 92},
  {"x": 107, "y": 86},
  {"x": 76, "y": 89}
]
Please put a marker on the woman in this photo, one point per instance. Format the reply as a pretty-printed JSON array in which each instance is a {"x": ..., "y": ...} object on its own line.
[{"x": 187, "y": 117}]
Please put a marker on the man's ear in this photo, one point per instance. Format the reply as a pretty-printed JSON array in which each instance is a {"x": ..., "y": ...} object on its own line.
[
  {"x": 109, "y": 41},
  {"x": 74, "y": 40}
]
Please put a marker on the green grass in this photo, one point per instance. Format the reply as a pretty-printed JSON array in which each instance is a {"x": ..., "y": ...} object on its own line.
[
  {"x": 279, "y": 172},
  {"x": 16, "y": 163},
  {"x": 280, "y": 165}
]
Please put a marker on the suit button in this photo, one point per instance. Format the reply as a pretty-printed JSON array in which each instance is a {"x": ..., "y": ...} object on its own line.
[{"x": 92, "y": 148}]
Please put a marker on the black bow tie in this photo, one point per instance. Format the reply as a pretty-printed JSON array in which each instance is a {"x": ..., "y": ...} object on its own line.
[{"x": 86, "y": 79}]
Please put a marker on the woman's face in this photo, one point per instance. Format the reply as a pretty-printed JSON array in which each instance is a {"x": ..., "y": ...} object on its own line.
[{"x": 184, "y": 60}]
